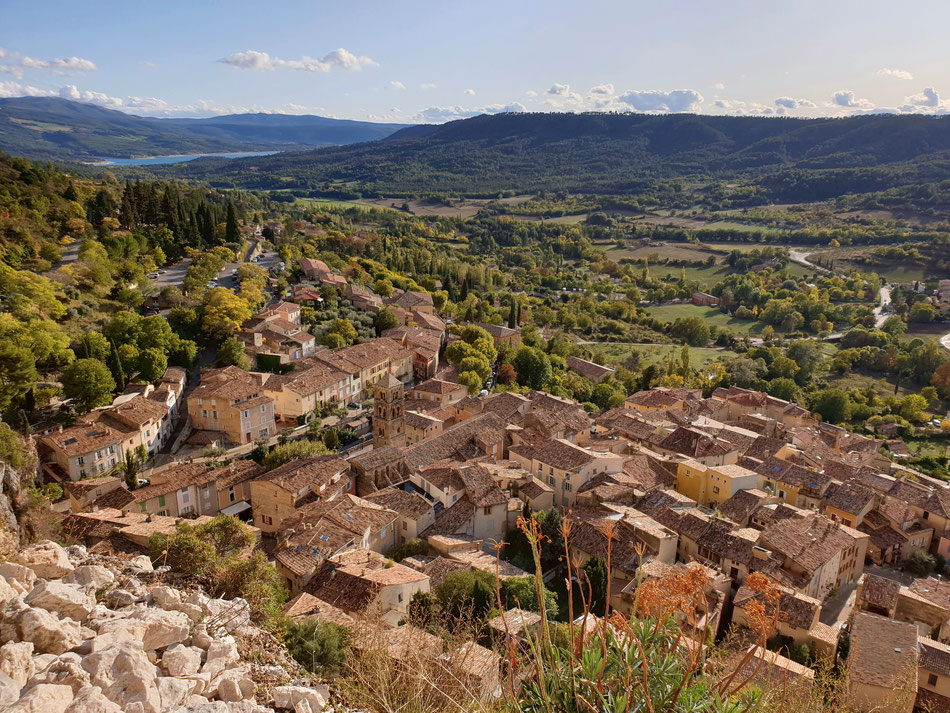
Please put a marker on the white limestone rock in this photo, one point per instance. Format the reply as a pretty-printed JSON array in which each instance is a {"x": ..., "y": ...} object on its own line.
[
  {"x": 126, "y": 677},
  {"x": 48, "y": 634},
  {"x": 16, "y": 661},
  {"x": 173, "y": 691},
  {"x": 62, "y": 599},
  {"x": 180, "y": 660},
  {"x": 90, "y": 577},
  {"x": 140, "y": 565},
  {"x": 91, "y": 700},
  {"x": 222, "y": 655},
  {"x": 162, "y": 628},
  {"x": 44, "y": 698},
  {"x": 20, "y": 577},
  {"x": 301, "y": 699},
  {"x": 47, "y": 560}
]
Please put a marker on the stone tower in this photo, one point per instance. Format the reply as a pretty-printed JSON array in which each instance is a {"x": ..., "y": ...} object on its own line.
[{"x": 389, "y": 425}]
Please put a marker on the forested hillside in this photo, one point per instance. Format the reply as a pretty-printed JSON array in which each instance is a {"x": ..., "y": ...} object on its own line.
[
  {"x": 47, "y": 127},
  {"x": 790, "y": 159}
]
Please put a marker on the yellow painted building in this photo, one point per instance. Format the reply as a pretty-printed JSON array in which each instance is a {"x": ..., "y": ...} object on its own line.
[{"x": 691, "y": 480}]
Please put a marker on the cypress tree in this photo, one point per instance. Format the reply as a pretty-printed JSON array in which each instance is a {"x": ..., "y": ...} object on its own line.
[
  {"x": 231, "y": 232},
  {"x": 115, "y": 366}
]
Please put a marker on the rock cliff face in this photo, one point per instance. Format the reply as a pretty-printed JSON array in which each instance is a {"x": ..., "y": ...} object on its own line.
[
  {"x": 12, "y": 534},
  {"x": 87, "y": 634}
]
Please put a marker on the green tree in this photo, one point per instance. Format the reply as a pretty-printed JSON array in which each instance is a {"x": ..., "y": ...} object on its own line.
[
  {"x": 93, "y": 345},
  {"x": 533, "y": 367},
  {"x": 833, "y": 405},
  {"x": 232, "y": 233},
  {"x": 520, "y": 592},
  {"x": 232, "y": 352},
  {"x": 88, "y": 382},
  {"x": 344, "y": 329},
  {"x": 476, "y": 364},
  {"x": 471, "y": 380},
  {"x": 18, "y": 373},
  {"x": 385, "y": 320},
  {"x": 294, "y": 450},
  {"x": 152, "y": 364},
  {"x": 595, "y": 571},
  {"x": 383, "y": 287},
  {"x": 320, "y": 647},
  {"x": 331, "y": 439},
  {"x": 468, "y": 593}
]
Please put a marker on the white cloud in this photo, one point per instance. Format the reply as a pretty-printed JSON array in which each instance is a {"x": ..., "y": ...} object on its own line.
[
  {"x": 397, "y": 85},
  {"x": 15, "y": 89},
  {"x": 603, "y": 90},
  {"x": 558, "y": 89},
  {"x": 928, "y": 97},
  {"x": 427, "y": 85},
  {"x": 736, "y": 107},
  {"x": 848, "y": 99},
  {"x": 441, "y": 114},
  {"x": 677, "y": 100},
  {"x": 783, "y": 104},
  {"x": 262, "y": 62},
  {"x": 719, "y": 85},
  {"x": 14, "y": 63},
  {"x": 894, "y": 73},
  {"x": 469, "y": 92},
  {"x": 531, "y": 93}
]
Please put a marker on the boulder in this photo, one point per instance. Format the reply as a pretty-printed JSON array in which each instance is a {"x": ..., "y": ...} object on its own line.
[
  {"x": 118, "y": 598},
  {"x": 44, "y": 698},
  {"x": 77, "y": 553},
  {"x": 162, "y": 628},
  {"x": 140, "y": 565},
  {"x": 222, "y": 655},
  {"x": 201, "y": 638},
  {"x": 48, "y": 634},
  {"x": 67, "y": 670},
  {"x": 91, "y": 700},
  {"x": 180, "y": 660},
  {"x": 227, "y": 614},
  {"x": 126, "y": 677},
  {"x": 10, "y": 590},
  {"x": 19, "y": 573},
  {"x": 16, "y": 661},
  {"x": 9, "y": 691},
  {"x": 91, "y": 577},
  {"x": 237, "y": 688},
  {"x": 173, "y": 691},
  {"x": 301, "y": 699},
  {"x": 63, "y": 599},
  {"x": 47, "y": 560}
]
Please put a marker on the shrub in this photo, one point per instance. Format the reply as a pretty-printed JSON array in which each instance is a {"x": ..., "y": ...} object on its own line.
[
  {"x": 320, "y": 647},
  {"x": 409, "y": 548}
]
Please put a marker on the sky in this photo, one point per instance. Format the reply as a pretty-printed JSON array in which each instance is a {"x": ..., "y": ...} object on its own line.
[{"x": 419, "y": 61}]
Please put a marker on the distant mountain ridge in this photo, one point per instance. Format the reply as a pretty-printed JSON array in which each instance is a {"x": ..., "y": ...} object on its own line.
[
  {"x": 59, "y": 129},
  {"x": 613, "y": 153}
]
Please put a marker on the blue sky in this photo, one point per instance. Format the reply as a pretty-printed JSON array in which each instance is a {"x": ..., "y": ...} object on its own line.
[{"x": 434, "y": 61}]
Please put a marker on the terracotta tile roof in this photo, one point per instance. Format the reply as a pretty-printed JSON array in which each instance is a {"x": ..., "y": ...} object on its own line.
[
  {"x": 885, "y": 665},
  {"x": 480, "y": 487},
  {"x": 438, "y": 568},
  {"x": 808, "y": 541},
  {"x": 436, "y": 386},
  {"x": 78, "y": 489},
  {"x": 653, "y": 399},
  {"x": 934, "y": 656},
  {"x": 300, "y": 563},
  {"x": 743, "y": 503},
  {"x": 932, "y": 590},
  {"x": 561, "y": 454},
  {"x": 408, "y": 505},
  {"x": 588, "y": 369},
  {"x": 515, "y": 621},
  {"x": 763, "y": 447},
  {"x": 880, "y": 591},
  {"x": 177, "y": 477},
  {"x": 428, "y": 321},
  {"x": 230, "y": 383},
  {"x": 499, "y": 331},
  {"x": 410, "y": 300},
  {"x": 455, "y": 520},
  {"x": 305, "y": 605},
  {"x": 695, "y": 444},
  {"x": 849, "y": 497},
  {"x": 797, "y": 610},
  {"x": 317, "y": 473},
  {"x": 83, "y": 438}
]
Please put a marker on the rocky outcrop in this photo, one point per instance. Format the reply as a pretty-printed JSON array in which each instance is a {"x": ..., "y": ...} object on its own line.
[{"x": 86, "y": 634}]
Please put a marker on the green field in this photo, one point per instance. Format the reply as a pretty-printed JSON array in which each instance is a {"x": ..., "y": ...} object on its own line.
[
  {"x": 653, "y": 353},
  {"x": 710, "y": 315},
  {"x": 706, "y": 276},
  {"x": 673, "y": 251}
]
